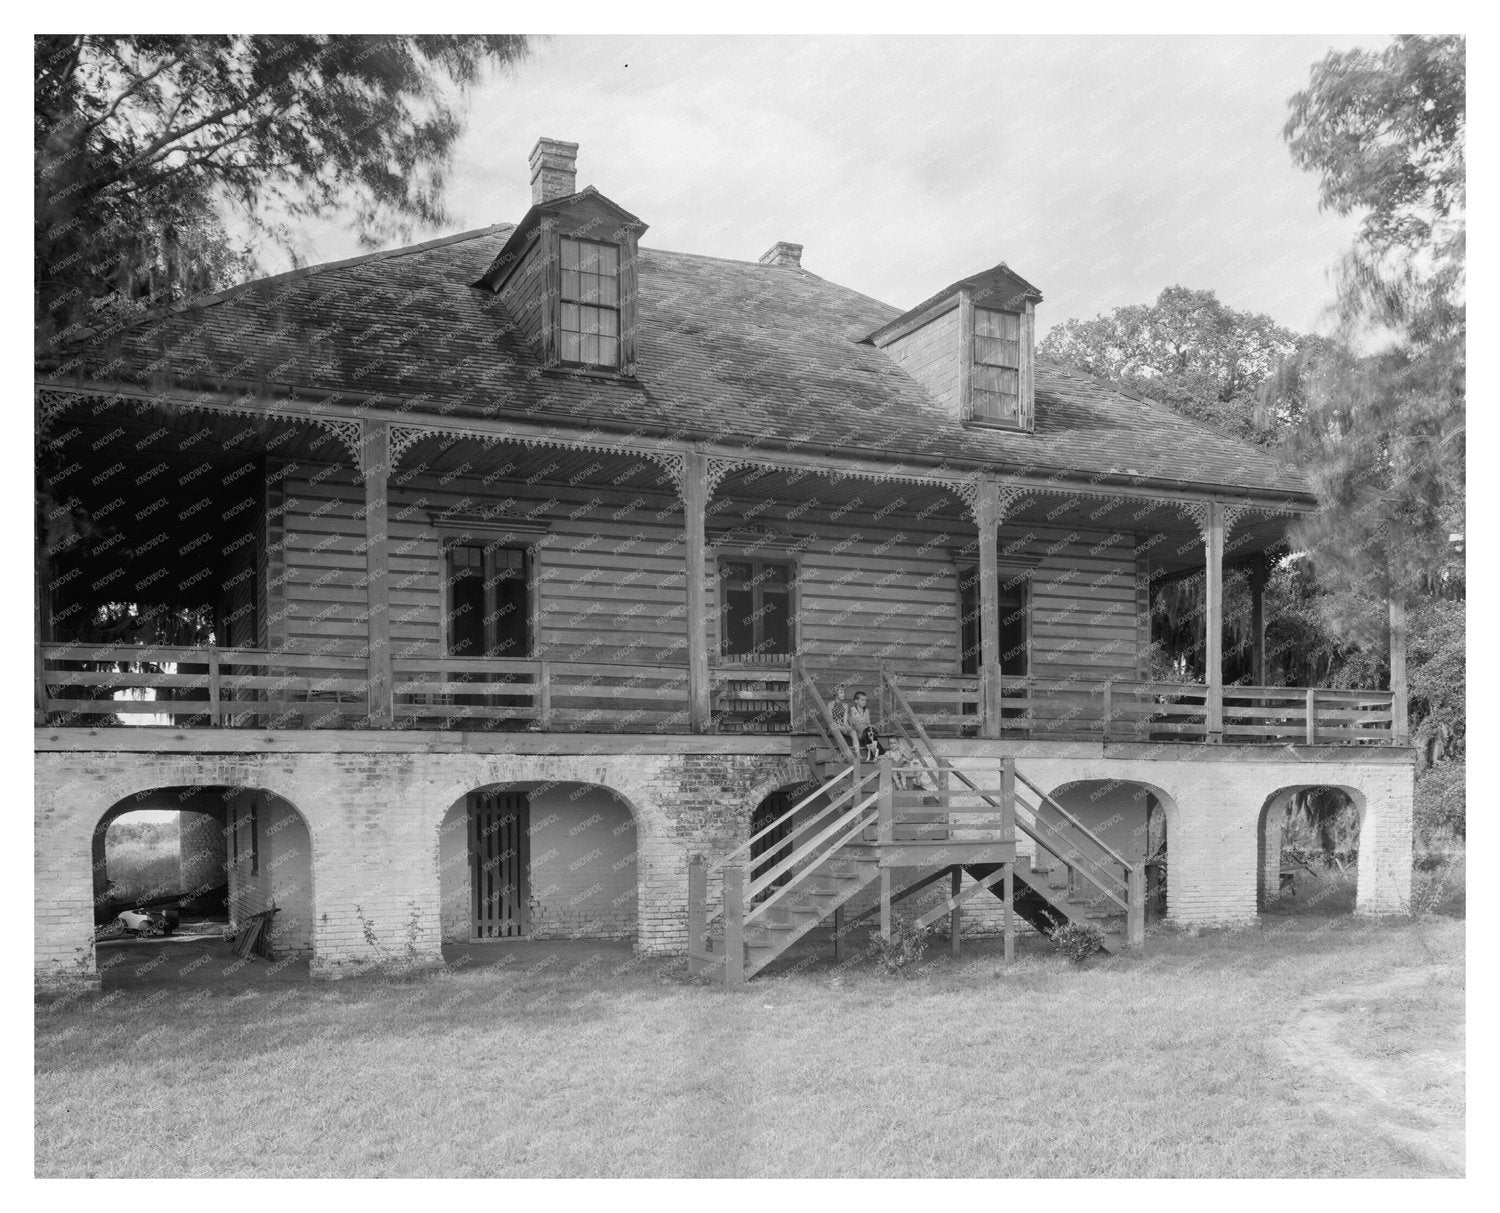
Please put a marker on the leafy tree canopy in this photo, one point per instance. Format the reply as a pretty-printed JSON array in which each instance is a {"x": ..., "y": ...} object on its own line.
[
  {"x": 1192, "y": 352},
  {"x": 1383, "y": 435},
  {"x": 143, "y": 142}
]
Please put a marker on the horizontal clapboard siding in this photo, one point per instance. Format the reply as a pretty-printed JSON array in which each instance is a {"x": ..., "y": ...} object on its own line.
[
  {"x": 611, "y": 583},
  {"x": 930, "y": 355}
]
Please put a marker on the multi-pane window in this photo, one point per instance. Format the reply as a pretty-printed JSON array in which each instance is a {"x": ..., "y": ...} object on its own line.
[
  {"x": 589, "y": 328},
  {"x": 996, "y": 382},
  {"x": 756, "y": 605},
  {"x": 488, "y": 601}
]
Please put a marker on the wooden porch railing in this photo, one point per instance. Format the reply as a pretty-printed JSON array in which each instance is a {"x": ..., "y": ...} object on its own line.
[
  {"x": 257, "y": 688},
  {"x": 1134, "y": 710},
  {"x": 204, "y": 687}
]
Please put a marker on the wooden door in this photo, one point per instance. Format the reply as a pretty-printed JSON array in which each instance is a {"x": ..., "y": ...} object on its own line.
[{"x": 498, "y": 859}]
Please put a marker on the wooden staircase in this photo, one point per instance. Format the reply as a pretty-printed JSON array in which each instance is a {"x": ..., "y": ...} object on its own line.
[{"x": 864, "y": 822}]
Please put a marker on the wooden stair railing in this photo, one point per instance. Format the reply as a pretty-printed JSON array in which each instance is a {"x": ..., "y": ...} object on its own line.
[
  {"x": 1129, "y": 894},
  {"x": 822, "y": 717},
  {"x": 738, "y": 905}
]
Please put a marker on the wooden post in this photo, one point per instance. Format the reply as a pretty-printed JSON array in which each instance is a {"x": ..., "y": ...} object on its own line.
[
  {"x": 544, "y": 693},
  {"x": 1259, "y": 574},
  {"x": 1010, "y": 912},
  {"x": 1213, "y": 623},
  {"x": 1400, "y": 722},
  {"x": 214, "y": 686},
  {"x": 956, "y": 914},
  {"x": 734, "y": 925},
  {"x": 1135, "y": 914},
  {"x": 987, "y": 516},
  {"x": 838, "y": 933},
  {"x": 1008, "y": 800},
  {"x": 885, "y": 903},
  {"x": 375, "y": 466},
  {"x": 697, "y": 914},
  {"x": 1312, "y": 716},
  {"x": 886, "y": 803},
  {"x": 41, "y": 685},
  {"x": 1108, "y": 685},
  {"x": 695, "y": 557}
]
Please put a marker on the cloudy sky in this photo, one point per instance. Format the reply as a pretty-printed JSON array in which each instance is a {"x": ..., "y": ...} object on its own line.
[{"x": 1102, "y": 169}]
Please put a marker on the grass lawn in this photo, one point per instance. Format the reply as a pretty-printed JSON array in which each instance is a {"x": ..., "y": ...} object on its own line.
[{"x": 1229, "y": 1054}]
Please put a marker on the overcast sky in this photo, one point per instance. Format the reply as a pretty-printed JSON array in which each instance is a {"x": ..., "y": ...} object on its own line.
[{"x": 1101, "y": 169}]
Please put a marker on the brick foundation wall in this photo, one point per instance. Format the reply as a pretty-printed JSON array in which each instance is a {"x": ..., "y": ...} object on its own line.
[
  {"x": 366, "y": 825},
  {"x": 373, "y": 836}
]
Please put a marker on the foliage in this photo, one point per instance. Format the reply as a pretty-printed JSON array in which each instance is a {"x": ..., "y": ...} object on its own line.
[
  {"x": 1440, "y": 809},
  {"x": 1077, "y": 941},
  {"x": 408, "y": 963},
  {"x": 1386, "y": 132},
  {"x": 903, "y": 951},
  {"x": 1191, "y": 352},
  {"x": 1384, "y": 431},
  {"x": 143, "y": 142}
]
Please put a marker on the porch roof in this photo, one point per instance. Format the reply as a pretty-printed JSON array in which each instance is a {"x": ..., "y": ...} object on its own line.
[{"x": 768, "y": 356}]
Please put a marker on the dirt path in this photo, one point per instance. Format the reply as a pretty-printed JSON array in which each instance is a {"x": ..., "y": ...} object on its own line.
[{"x": 1407, "y": 1098}]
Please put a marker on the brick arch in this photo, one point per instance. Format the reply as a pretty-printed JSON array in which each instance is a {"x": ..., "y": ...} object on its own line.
[
  {"x": 1164, "y": 799},
  {"x": 199, "y": 775},
  {"x": 545, "y": 771},
  {"x": 784, "y": 773},
  {"x": 1268, "y": 835}
]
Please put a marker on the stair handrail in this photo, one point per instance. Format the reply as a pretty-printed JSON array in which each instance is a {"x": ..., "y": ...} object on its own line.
[
  {"x": 768, "y": 878},
  {"x": 1041, "y": 795},
  {"x": 1032, "y": 809},
  {"x": 823, "y": 716},
  {"x": 936, "y": 764},
  {"x": 862, "y": 819},
  {"x": 791, "y": 812},
  {"x": 1103, "y": 846},
  {"x": 782, "y": 866}
]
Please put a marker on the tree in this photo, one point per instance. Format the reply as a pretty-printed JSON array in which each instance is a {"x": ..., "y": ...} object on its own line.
[
  {"x": 1383, "y": 435},
  {"x": 1193, "y": 353},
  {"x": 142, "y": 143}
]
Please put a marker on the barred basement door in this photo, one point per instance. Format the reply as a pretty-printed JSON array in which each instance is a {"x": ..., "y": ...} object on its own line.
[{"x": 498, "y": 857}]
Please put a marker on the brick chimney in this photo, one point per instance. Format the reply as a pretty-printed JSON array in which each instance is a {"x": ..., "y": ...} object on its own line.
[
  {"x": 554, "y": 170},
  {"x": 782, "y": 253}
]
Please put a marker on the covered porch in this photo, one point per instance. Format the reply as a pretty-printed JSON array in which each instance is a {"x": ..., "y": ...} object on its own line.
[{"x": 699, "y": 590}]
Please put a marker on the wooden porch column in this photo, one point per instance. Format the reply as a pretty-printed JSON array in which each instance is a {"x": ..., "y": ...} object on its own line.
[
  {"x": 375, "y": 467},
  {"x": 694, "y": 521},
  {"x": 1259, "y": 574},
  {"x": 1213, "y": 623},
  {"x": 1400, "y": 724},
  {"x": 987, "y": 516}
]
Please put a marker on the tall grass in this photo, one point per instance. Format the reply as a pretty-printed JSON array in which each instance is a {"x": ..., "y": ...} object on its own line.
[{"x": 141, "y": 858}]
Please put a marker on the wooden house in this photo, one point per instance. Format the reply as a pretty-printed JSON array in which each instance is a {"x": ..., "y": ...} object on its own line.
[{"x": 502, "y": 586}]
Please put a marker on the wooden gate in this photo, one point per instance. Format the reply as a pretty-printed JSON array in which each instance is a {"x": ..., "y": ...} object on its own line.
[{"x": 498, "y": 858}]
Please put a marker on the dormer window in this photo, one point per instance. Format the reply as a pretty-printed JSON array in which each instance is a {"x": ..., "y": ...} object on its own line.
[
  {"x": 589, "y": 324},
  {"x": 972, "y": 346},
  {"x": 568, "y": 274},
  {"x": 996, "y": 384}
]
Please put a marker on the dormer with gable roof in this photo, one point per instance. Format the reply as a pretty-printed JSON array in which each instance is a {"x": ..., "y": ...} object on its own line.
[
  {"x": 973, "y": 347},
  {"x": 568, "y": 273}
]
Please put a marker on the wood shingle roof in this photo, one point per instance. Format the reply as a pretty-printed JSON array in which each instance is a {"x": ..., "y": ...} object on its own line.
[{"x": 765, "y": 356}]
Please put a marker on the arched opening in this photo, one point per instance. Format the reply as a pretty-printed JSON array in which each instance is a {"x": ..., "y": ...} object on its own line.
[
  {"x": 770, "y": 815},
  {"x": 1133, "y": 818},
  {"x": 538, "y": 860},
  {"x": 185, "y": 864},
  {"x": 1307, "y": 850}
]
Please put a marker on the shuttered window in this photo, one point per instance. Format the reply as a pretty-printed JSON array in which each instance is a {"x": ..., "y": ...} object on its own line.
[
  {"x": 589, "y": 324},
  {"x": 997, "y": 366}
]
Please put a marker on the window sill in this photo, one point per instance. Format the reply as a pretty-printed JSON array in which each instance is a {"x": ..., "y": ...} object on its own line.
[
  {"x": 985, "y": 423},
  {"x": 562, "y": 369}
]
